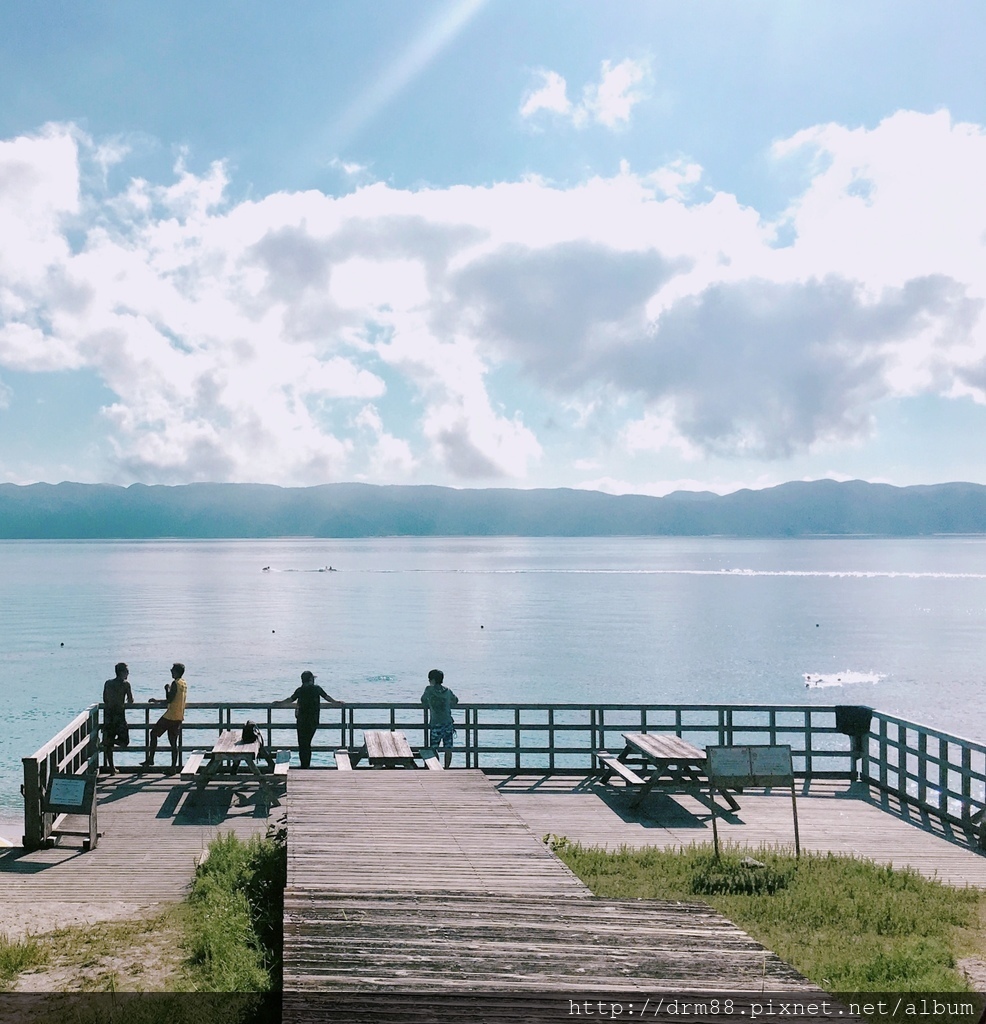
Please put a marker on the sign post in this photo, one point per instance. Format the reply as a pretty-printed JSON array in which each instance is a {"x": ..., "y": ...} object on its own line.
[{"x": 754, "y": 766}]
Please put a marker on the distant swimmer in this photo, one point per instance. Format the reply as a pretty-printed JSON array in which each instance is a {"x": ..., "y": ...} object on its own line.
[{"x": 266, "y": 568}]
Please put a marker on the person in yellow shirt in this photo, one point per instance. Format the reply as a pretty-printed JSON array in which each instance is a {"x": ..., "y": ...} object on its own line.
[{"x": 175, "y": 694}]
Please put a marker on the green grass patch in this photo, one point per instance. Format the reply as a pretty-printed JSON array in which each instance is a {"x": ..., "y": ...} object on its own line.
[
  {"x": 848, "y": 925},
  {"x": 17, "y": 956},
  {"x": 236, "y": 909}
]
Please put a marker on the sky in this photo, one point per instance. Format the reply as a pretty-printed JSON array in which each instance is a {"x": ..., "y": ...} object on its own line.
[{"x": 632, "y": 247}]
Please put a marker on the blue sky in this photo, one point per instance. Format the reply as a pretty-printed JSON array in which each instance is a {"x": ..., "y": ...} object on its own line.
[{"x": 633, "y": 247}]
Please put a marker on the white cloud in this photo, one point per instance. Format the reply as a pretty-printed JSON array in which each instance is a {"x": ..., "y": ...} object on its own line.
[
  {"x": 608, "y": 101},
  {"x": 550, "y": 96},
  {"x": 388, "y": 457},
  {"x": 300, "y": 337},
  {"x": 656, "y": 431},
  {"x": 611, "y": 101}
]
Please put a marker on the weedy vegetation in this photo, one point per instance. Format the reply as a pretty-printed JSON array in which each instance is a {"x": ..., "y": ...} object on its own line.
[
  {"x": 236, "y": 909},
  {"x": 19, "y": 955},
  {"x": 848, "y": 925}
]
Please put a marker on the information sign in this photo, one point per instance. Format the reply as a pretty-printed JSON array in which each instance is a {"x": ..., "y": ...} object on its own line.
[
  {"x": 754, "y": 765},
  {"x": 736, "y": 767},
  {"x": 71, "y": 794}
]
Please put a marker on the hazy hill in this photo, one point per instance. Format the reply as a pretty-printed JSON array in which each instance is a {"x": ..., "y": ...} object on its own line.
[{"x": 70, "y": 510}]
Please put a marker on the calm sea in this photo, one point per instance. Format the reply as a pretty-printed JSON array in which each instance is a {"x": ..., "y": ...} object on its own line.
[{"x": 897, "y": 624}]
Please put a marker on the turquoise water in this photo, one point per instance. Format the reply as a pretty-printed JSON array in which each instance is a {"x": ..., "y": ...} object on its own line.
[{"x": 897, "y": 624}]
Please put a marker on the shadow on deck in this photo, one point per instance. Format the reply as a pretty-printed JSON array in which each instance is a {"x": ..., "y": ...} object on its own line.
[{"x": 834, "y": 816}]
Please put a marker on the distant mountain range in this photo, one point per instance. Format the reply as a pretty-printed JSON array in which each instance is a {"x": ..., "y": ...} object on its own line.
[{"x": 818, "y": 508}]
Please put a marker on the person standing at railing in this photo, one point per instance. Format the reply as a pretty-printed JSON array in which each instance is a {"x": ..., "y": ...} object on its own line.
[
  {"x": 116, "y": 696},
  {"x": 439, "y": 700},
  {"x": 175, "y": 695},
  {"x": 307, "y": 698}
]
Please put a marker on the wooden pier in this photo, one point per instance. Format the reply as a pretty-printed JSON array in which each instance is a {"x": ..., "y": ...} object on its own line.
[{"x": 412, "y": 881}]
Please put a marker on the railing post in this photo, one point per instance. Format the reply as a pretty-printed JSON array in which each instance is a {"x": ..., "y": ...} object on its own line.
[
  {"x": 966, "y": 811},
  {"x": 922, "y": 767},
  {"x": 473, "y": 740},
  {"x": 943, "y": 776},
  {"x": 31, "y": 790},
  {"x": 902, "y": 751}
]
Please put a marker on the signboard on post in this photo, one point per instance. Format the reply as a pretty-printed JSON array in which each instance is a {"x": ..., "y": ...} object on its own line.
[
  {"x": 751, "y": 766},
  {"x": 70, "y": 794},
  {"x": 73, "y": 794}
]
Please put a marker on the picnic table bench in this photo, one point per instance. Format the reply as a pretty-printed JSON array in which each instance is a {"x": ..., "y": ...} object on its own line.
[
  {"x": 662, "y": 761},
  {"x": 385, "y": 748},
  {"x": 229, "y": 753}
]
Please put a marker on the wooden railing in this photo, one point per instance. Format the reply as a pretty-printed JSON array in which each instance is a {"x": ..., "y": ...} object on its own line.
[
  {"x": 73, "y": 750},
  {"x": 534, "y": 737},
  {"x": 927, "y": 768},
  {"x": 943, "y": 774}
]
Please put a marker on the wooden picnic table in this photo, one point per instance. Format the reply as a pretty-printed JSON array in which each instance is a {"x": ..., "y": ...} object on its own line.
[
  {"x": 654, "y": 760},
  {"x": 228, "y": 754},
  {"x": 385, "y": 749}
]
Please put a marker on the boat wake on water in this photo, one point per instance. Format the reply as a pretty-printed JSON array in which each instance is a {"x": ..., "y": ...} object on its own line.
[
  {"x": 820, "y": 680},
  {"x": 825, "y": 573},
  {"x": 323, "y": 568}
]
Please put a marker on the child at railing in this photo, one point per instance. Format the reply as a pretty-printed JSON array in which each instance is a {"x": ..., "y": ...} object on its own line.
[{"x": 439, "y": 700}]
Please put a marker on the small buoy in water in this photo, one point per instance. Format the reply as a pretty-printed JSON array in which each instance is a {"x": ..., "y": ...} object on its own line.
[
  {"x": 61, "y": 645},
  {"x": 482, "y": 627},
  {"x": 816, "y": 625},
  {"x": 273, "y": 630}
]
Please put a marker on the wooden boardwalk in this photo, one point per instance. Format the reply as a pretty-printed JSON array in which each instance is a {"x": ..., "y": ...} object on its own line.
[
  {"x": 430, "y": 881},
  {"x": 365, "y": 831},
  {"x": 834, "y": 817},
  {"x": 154, "y": 827}
]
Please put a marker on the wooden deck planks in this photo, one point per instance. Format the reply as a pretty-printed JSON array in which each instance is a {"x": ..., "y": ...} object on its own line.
[
  {"x": 152, "y": 837},
  {"x": 429, "y": 881},
  {"x": 361, "y": 830},
  {"x": 460, "y": 941}
]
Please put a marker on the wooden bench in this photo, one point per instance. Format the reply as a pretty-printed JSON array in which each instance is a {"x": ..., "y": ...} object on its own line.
[
  {"x": 191, "y": 767},
  {"x": 612, "y": 764},
  {"x": 344, "y": 762},
  {"x": 430, "y": 758}
]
